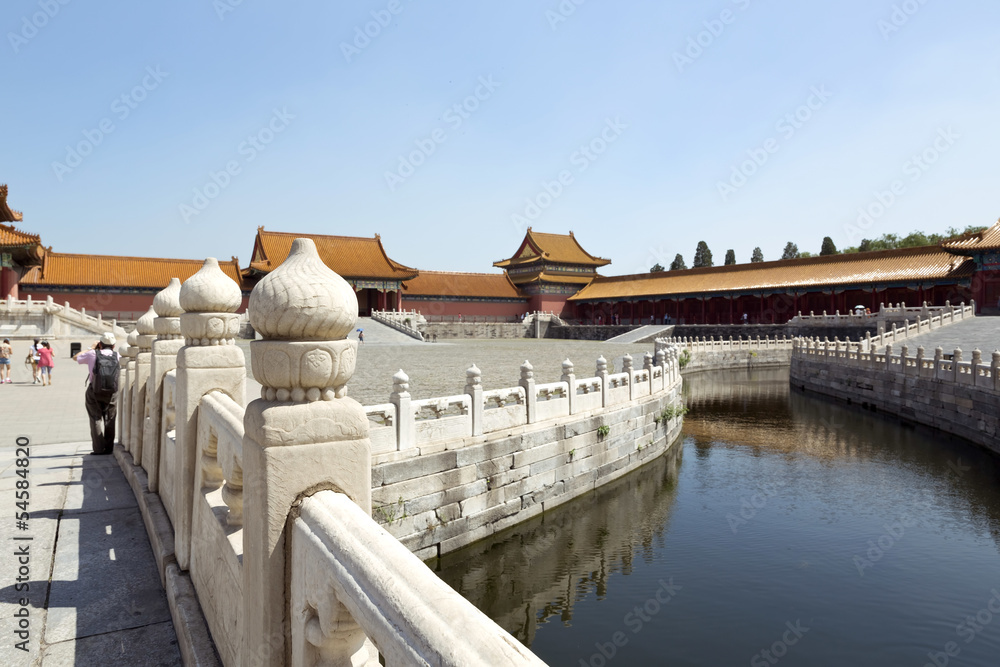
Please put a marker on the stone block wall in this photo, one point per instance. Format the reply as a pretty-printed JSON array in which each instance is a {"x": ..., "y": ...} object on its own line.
[
  {"x": 729, "y": 359},
  {"x": 963, "y": 409},
  {"x": 433, "y": 331},
  {"x": 440, "y": 498}
]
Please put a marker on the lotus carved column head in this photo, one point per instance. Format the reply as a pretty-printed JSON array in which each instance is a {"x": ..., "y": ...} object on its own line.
[
  {"x": 210, "y": 300},
  {"x": 145, "y": 327},
  {"x": 304, "y": 311},
  {"x": 167, "y": 305}
]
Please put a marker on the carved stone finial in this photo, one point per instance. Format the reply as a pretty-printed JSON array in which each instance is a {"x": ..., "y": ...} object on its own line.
[
  {"x": 167, "y": 302},
  {"x": 144, "y": 325},
  {"x": 400, "y": 382},
  {"x": 567, "y": 367},
  {"x": 602, "y": 365},
  {"x": 473, "y": 376},
  {"x": 527, "y": 371},
  {"x": 210, "y": 291},
  {"x": 303, "y": 299}
]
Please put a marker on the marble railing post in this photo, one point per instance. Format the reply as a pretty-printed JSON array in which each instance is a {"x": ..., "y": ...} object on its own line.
[
  {"x": 528, "y": 383},
  {"x": 164, "y": 359},
  {"x": 125, "y": 391},
  {"x": 302, "y": 436},
  {"x": 400, "y": 397},
  {"x": 474, "y": 389},
  {"x": 920, "y": 360},
  {"x": 904, "y": 353},
  {"x": 938, "y": 358},
  {"x": 956, "y": 359},
  {"x": 888, "y": 356},
  {"x": 995, "y": 370},
  {"x": 569, "y": 377},
  {"x": 602, "y": 374},
  {"x": 627, "y": 368},
  {"x": 977, "y": 359},
  {"x": 208, "y": 361},
  {"x": 144, "y": 340},
  {"x": 647, "y": 363}
]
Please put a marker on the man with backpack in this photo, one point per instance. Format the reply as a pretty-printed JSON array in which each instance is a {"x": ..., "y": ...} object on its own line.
[{"x": 101, "y": 397}]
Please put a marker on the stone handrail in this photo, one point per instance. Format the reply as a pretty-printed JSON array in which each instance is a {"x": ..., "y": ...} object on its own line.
[
  {"x": 710, "y": 344},
  {"x": 883, "y": 316},
  {"x": 340, "y": 562},
  {"x": 950, "y": 368},
  {"x": 405, "y": 423},
  {"x": 397, "y": 319},
  {"x": 97, "y": 325},
  {"x": 944, "y": 317}
]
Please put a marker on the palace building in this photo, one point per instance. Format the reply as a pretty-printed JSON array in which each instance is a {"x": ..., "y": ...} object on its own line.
[
  {"x": 116, "y": 287},
  {"x": 362, "y": 262},
  {"x": 550, "y": 268},
  {"x": 548, "y": 272},
  {"x": 19, "y": 250}
]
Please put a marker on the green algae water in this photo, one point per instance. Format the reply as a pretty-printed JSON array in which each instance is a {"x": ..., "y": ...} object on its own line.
[{"x": 783, "y": 529}]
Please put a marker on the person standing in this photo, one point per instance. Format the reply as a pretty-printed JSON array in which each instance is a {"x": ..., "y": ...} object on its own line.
[
  {"x": 45, "y": 363},
  {"x": 6, "y": 352},
  {"x": 101, "y": 397},
  {"x": 34, "y": 358}
]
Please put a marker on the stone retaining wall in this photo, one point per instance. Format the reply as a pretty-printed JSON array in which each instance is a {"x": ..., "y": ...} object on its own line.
[
  {"x": 730, "y": 359},
  {"x": 954, "y": 396},
  {"x": 444, "y": 497},
  {"x": 433, "y": 331}
]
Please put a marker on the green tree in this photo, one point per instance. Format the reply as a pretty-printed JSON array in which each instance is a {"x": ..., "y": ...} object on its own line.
[
  {"x": 791, "y": 251},
  {"x": 657, "y": 268},
  {"x": 702, "y": 256},
  {"x": 757, "y": 255},
  {"x": 828, "y": 247},
  {"x": 678, "y": 263},
  {"x": 730, "y": 257}
]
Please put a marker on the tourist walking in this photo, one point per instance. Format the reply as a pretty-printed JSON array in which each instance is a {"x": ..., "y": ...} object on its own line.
[
  {"x": 45, "y": 363},
  {"x": 33, "y": 359},
  {"x": 101, "y": 397},
  {"x": 6, "y": 352}
]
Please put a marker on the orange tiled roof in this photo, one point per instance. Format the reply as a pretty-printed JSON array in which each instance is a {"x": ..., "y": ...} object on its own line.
[
  {"x": 349, "y": 256},
  {"x": 902, "y": 265},
  {"x": 988, "y": 239},
  {"x": 109, "y": 271},
  {"x": 444, "y": 283},
  {"x": 7, "y": 214},
  {"x": 560, "y": 248},
  {"x": 11, "y": 236}
]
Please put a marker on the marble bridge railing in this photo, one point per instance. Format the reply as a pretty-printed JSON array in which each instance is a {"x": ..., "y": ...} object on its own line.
[
  {"x": 403, "y": 423},
  {"x": 47, "y": 317},
  {"x": 259, "y": 513}
]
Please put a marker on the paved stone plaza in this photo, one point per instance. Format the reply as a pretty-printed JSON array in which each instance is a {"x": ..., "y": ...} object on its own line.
[{"x": 104, "y": 604}]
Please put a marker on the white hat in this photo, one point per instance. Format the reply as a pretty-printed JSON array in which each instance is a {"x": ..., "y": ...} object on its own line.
[{"x": 108, "y": 339}]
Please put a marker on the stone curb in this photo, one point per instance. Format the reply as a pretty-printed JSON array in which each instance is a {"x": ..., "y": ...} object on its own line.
[{"x": 193, "y": 637}]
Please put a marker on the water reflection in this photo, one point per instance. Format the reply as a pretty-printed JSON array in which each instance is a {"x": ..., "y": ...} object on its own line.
[
  {"x": 538, "y": 571},
  {"x": 778, "y": 507}
]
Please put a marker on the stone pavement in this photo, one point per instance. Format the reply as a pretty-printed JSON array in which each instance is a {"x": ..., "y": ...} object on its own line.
[
  {"x": 978, "y": 332},
  {"x": 93, "y": 595}
]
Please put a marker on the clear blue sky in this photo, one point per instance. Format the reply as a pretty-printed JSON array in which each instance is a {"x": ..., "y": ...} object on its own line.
[{"x": 331, "y": 121}]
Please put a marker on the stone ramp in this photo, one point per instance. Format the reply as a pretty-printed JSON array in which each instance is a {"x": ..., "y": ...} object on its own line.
[
  {"x": 981, "y": 333},
  {"x": 644, "y": 334},
  {"x": 377, "y": 333}
]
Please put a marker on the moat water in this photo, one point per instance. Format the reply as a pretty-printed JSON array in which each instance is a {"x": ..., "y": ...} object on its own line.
[{"x": 783, "y": 529}]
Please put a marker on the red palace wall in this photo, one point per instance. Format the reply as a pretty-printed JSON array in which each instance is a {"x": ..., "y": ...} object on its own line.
[
  {"x": 8, "y": 283},
  {"x": 110, "y": 306},
  {"x": 434, "y": 308}
]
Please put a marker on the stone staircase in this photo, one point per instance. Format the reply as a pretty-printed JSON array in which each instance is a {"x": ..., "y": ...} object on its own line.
[
  {"x": 377, "y": 333},
  {"x": 645, "y": 334}
]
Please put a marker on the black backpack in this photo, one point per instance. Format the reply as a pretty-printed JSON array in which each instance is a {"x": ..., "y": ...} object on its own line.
[{"x": 106, "y": 370}]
